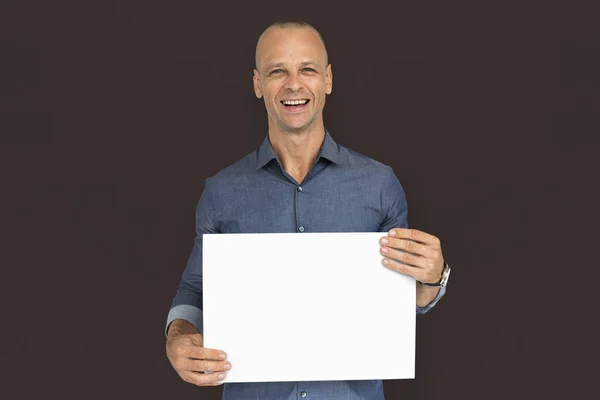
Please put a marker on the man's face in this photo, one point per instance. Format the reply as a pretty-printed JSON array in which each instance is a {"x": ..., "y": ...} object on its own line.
[{"x": 293, "y": 76}]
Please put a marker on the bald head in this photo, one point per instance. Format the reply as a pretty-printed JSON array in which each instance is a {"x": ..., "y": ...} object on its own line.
[
  {"x": 285, "y": 25},
  {"x": 291, "y": 65}
]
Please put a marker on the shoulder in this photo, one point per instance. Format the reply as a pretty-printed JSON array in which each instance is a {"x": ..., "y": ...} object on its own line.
[
  {"x": 378, "y": 174},
  {"x": 238, "y": 172},
  {"x": 357, "y": 161}
]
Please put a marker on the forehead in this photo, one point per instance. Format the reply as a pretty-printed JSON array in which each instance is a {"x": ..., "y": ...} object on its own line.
[{"x": 289, "y": 45}]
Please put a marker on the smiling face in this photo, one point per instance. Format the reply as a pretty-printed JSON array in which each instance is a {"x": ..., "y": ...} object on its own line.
[{"x": 293, "y": 76}]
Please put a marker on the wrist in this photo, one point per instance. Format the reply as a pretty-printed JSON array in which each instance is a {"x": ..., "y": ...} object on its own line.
[
  {"x": 181, "y": 327},
  {"x": 426, "y": 294}
]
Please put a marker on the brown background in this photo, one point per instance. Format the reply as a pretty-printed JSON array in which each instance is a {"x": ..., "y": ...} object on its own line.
[{"x": 114, "y": 112}]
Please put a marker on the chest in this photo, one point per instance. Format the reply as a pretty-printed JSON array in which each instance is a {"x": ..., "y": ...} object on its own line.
[{"x": 281, "y": 206}]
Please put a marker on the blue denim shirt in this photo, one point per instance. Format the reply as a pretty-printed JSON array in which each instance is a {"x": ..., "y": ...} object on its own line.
[{"x": 343, "y": 192}]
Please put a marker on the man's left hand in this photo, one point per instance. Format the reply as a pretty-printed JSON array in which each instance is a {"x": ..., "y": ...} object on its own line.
[{"x": 413, "y": 252}]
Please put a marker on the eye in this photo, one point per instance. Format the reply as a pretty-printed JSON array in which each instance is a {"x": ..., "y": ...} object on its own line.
[
  {"x": 276, "y": 71},
  {"x": 307, "y": 69}
]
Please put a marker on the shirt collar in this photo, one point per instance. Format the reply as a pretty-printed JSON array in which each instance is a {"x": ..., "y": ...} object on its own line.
[{"x": 329, "y": 150}]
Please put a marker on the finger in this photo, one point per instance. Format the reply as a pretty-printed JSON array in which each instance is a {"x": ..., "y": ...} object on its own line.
[
  {"x": 405, "y": 269},
  {"x": 404, "y": 257},
  {"x": 203, "y": 365},
  {"x": 203, "y": 353},
  {"x": 203, "y": 379},
  {"x": 406, "y": 245},
  {"x": 416, "y": 235}
]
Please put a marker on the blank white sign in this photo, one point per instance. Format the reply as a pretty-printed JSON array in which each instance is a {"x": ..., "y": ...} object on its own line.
[{"x": 307, "y": 307}]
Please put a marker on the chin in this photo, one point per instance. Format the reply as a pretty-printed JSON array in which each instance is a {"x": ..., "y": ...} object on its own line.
[{"x": 298, "y": 126}]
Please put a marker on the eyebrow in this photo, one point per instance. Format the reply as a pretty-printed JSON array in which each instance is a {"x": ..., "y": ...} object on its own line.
[{"x": 278, "y": 65}]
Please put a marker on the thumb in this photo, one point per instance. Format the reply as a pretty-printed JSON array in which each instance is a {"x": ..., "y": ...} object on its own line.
[{"x": 197, "y": 339}]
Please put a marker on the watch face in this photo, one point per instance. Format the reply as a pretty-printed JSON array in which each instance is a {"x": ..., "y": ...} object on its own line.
[{"x": 445, "y": 275}]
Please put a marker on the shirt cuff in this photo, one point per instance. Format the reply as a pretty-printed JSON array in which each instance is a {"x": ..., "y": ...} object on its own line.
[
  {"x": 191, "y": 314},
  {"x": 423, "y": 310}
]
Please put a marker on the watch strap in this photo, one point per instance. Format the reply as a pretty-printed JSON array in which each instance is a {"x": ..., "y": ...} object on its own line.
[{"x": 443, "y": 279}]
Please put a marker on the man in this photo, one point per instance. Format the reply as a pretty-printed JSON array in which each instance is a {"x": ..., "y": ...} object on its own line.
[{"x": 299, "y": 180}]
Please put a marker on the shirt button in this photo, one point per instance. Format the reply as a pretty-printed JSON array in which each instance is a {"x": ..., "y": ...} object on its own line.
[
  {"x": 301, "y": 229},
  {"x": 299, "y": 188},
  {"x": 303, "y": 394}
]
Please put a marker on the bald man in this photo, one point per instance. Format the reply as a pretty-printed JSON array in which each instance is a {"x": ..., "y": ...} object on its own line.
[{"x": 299, "y": 180}]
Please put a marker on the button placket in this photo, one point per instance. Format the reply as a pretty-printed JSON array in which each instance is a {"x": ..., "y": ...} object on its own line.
[{"x": 300, "y": 227}]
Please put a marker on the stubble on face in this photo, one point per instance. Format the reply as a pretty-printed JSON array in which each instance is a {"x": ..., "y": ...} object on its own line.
[{"x": 292, "y": 65}]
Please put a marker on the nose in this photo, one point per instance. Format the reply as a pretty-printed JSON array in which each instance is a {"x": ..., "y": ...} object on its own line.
[{"x": 293, "y": 82}]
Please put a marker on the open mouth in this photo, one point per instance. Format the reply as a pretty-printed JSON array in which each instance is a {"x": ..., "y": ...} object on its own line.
[{"x": 295, "y": 105}]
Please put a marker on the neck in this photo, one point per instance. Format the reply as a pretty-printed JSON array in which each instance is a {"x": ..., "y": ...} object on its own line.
[{"x": 297, "y": 151}]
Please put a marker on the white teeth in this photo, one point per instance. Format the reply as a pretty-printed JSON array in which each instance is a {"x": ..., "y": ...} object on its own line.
[{"x": 294, "y": 102}]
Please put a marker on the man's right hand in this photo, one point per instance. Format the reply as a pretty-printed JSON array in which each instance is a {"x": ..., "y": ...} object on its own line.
[{"x": 190, "y": 359}]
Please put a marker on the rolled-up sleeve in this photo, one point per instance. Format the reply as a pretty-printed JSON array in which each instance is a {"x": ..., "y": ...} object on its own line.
[
  {"x": 187, "y": 303},
  {"x": 394, "y": 203},
  {"x": 423, "y": 310}
]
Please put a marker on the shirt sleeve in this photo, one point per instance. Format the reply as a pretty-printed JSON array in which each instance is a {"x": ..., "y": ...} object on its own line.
[
  {"x": 396, "y": 212},
  {"x": 187, "y": 303}
]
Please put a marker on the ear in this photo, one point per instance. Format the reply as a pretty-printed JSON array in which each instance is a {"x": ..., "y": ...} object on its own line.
[
  {"x": 256, "y": 80},
  {"x": 328, "y": 80}
]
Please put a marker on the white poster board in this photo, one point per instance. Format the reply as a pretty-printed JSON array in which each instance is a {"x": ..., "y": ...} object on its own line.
[{"x": 307, "y": 307}]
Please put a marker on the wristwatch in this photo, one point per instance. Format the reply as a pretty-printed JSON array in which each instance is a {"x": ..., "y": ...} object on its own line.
[{"x": 444, "y": 280}]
